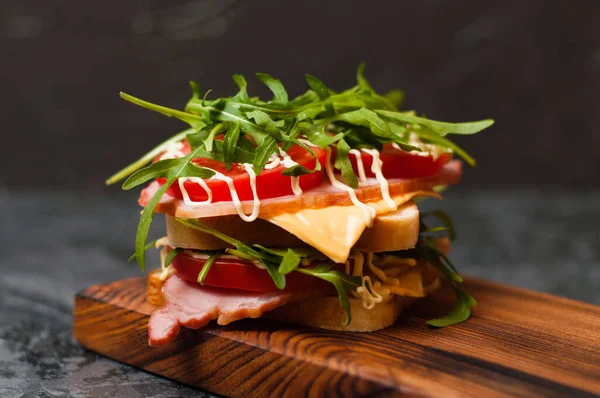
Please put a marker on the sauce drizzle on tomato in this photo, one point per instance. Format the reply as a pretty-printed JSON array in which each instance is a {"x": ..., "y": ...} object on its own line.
[{"x": 234, "y": 196}]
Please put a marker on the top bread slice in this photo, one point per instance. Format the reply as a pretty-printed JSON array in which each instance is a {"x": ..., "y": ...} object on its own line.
[{"x": 397, "y": 230}]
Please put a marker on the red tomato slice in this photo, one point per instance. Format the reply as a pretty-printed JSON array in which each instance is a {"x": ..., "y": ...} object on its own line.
[
  {"x": 242, "y": 275},
  {"x": 401, "y": 164},
  {"x": 269, "y": 183}
]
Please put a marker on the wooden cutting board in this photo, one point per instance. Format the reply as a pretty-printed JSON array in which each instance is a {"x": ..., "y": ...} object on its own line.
[{"x": 518, "y": 343}]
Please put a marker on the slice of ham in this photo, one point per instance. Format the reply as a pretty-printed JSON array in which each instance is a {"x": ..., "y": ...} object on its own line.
[
  {"x": 323, "y": 196},
  {"x": 194, "y": 306}
]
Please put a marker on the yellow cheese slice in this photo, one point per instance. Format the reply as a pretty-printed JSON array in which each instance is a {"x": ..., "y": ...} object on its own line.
[
  {"x": 334, "y": 230},
  {"x": 409, "y": 284}
]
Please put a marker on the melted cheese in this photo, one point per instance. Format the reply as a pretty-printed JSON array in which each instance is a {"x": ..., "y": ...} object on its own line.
[
  {"x": 372, "y": 291},
  {"x": 334, "y": 230},
  {"x": 409, "y": 284}
]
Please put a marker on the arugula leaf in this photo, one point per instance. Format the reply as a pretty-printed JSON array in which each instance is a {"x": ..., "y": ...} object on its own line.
[
  {"x": 280, "y": 96},
  {"x": 395, "y": 98},
  {"x": 206, "y": 267},
  {"x": 194, "y": 121},
  {"x": 242, "y": 95},
  {"x": 197, "y": 138},
  {"x": 356, "y": 138},
  {"x": 146, "y": 248},
  {"x": 317, "y": 86},
  {"x": 441, "y": 128},
  {"x": 433, "y": 138},
  {"x": 171, "y": 255},
  {"x": 290, "y": 262},
  {"x": 363, "y": 84},
  {"x": 273, "y": 270},
  {"x": 208, "y": 142},
  {"x": 461, "y": 312},
  {"x": 342, "y": 163},
  {"x": 187, "y": 168},
  {"x": 195, "y": 89},
  {"x": 444, "y": 218},
  {"x": 366, "y": 118},
  {"x": 163, "y": 168},
  {"x": 296, "y": 171},
  {"x": 309, "y": 150},
  {"x": 145, "y": 221},
  {"x": 341, "y": 281},
  {"x": 435, "y": 257},
  {"x": 147, "y": 158},
  {"x": 155, "y": 170},
  {"x": 230, "y": 145},
  {"x": 322, "y": 139},
  {"x": 263, "y": 153},
  {"x": 243, "y": 254},
  {"x": 264, "y": 121}
]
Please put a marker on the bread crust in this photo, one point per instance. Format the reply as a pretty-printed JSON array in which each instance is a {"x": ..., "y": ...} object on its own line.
[{"x": 326, "y": 312}]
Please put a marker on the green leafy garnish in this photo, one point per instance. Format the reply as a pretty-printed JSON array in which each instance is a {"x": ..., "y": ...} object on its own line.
[
  {"x": 428, "y": 250},
  {"x": 461, "y": 312},
  {"x": 207, "y": 265},
  {"x": 444, "y": 218},
  {"x": 289, "y": 262},
  {"x": 146, "y": 248},
  {"x": 253, "y": 130},
  {"x": 171, "y": 255}
]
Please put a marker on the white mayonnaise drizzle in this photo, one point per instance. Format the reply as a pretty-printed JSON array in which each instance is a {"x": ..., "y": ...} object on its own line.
[
  {"x": 370, "y": 212},
  {"x": 362, "y": 177},
  {"x": 367, "y": 293},
  {"x": 186, "y": 196},
  {"x": 426, "y": 149},
  {"x": 275, "y": 160},
  {"x": 234, "y": 196},
  {"x": 173, "y": 151},
  {"x": 163, "y": 245},
  {"x": 376, "y": 169}
]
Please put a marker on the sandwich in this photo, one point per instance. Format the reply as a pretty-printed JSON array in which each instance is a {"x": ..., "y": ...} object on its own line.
[{"x": 298, "y": 209}]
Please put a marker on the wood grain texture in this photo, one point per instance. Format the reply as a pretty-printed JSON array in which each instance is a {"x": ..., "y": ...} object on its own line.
[{"x": 518, "y": 343}]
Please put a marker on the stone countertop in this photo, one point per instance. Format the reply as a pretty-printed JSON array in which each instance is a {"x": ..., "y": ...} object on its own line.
[{"x": 54, "y": 244}]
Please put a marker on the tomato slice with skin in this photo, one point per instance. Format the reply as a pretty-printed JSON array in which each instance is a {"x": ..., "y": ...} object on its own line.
[
  {"x": 401, "y": 164},
  {"x": 269, "y": 183},
  {"x": 240, "y": 274}
]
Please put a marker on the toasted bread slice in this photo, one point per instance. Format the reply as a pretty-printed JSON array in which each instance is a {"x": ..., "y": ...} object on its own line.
[
  {"x": 396, "y": 230},
  {"x": 326, "y": 312}
]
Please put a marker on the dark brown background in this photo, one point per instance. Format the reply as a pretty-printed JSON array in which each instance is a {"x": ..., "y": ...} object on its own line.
[{"x": 534, "y": 66}]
